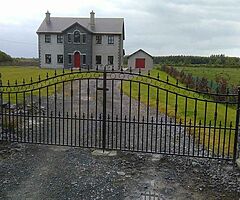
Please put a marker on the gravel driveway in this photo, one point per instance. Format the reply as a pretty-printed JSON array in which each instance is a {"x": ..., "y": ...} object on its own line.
[{"x": 52, "y": 172}]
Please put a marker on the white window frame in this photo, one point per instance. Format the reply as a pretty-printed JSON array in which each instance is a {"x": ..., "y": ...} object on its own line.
[
  {"x": 69, "y": 35},
  {"x": 70, "y": 54},
  {"x": 47, "y": 54},
  {"x": 62, "y": 59},
  {"x": 74, "y": 37},
  {"x": 112, "y": 60},
  {"x": 96, "y": 60},
  {"x": 59, "y": 36},
  {"x": 97, "y": 40},
  {"x": 84, "y": 35},
  {"x": 111, "y": 42},
  {"x": 48, "y": 38},
  {"x": 85, "y": 59}
]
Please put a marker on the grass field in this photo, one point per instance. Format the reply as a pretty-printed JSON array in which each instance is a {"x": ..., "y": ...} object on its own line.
[
  {"x": 181, "y": 105},
  {"x": 13, "y": 74},
  {"x": 231, "y": 74}
]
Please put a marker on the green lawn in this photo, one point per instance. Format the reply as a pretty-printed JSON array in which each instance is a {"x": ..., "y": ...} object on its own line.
[
  {"x": 231, "y": 74},
  {"x": 181, "y": 104},
  {"x": 13, "y": 74}
]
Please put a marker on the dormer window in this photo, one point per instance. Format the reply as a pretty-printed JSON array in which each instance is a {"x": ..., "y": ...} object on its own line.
[{"x": 76, "y": 37}]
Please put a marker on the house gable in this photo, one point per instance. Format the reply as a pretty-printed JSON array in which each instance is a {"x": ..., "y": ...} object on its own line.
[
  {"x": 140, "y": 50},
  {"x": 75, "y": 25},
  {"x": 71, "y": 47}
]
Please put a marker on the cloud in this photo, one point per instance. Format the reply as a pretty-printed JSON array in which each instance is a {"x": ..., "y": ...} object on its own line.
[{"x": 160, "y": 27}]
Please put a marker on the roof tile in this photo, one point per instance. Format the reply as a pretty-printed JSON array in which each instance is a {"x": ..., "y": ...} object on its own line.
[{"x": 102, "y": 25}]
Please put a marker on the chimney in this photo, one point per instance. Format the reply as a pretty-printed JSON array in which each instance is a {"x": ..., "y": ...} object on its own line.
[
  {"x": 92, "y": 20},
  {"x": 48, "y": 17}
]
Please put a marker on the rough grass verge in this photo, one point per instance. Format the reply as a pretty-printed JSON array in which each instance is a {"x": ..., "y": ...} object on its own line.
[{"x": 213, "y": 135}]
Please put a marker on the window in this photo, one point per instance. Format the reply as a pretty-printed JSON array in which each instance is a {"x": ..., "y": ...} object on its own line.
[
  {"x": 59, "y": 58},
  {"x": 110, "y": 60},
  {"x": 48, "y": 38},
  {"x": 69, "y": 37},
  {"x": 48, "y": 58},
  {"x": 76, "y": 37},
  {"x": 98, "y": 60},
  {"x": 111, "y": 39},
  {"x": 84, "y": 38},
  {"x": 98, "y": 39},
  {"x": 69, "y": 59},
  {"x": 84, "y": 59},
  {"x": 59, "y": 39}
]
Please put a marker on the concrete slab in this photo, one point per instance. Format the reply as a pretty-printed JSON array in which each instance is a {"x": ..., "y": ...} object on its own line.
[
  {"x": 104, "y": 153},
  {"x": 156, "y": 157},
  {"x": 112, "y": 153}
]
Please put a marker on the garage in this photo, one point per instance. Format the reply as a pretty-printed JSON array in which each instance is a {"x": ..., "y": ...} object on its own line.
[{"x": 140, "y": 60}]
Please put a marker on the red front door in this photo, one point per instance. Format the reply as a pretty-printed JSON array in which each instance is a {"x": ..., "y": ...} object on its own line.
[
  {"x": 140, "y": 63},
  {"x": 77, "y": 60}
]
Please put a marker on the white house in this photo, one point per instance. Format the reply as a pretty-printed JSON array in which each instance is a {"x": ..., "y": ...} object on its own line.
[{"x": 67, "y": 42}]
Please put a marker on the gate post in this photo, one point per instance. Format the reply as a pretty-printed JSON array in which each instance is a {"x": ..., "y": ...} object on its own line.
[
  {"x": 1, "y": 99},
  {"x": 0, "y": 90},
  {"x": 1, "y": 107},
  {"x": 236, "y": 139},
  {"x": 104, "y": 108}
]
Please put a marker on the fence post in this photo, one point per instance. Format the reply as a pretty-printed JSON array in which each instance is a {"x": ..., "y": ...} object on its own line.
[
  {"x": 1, "y": 107},
  {"x": 1, "y": 99},
  {"x": 104, "y": 108},
  {"x": 236, "y": 139}
]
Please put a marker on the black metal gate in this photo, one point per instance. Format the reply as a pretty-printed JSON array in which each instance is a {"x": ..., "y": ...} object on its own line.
[{"x": 119, "y": 110}]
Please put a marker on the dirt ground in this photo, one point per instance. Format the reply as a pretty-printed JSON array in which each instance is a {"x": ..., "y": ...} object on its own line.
[{"x": 52, "y": 172}]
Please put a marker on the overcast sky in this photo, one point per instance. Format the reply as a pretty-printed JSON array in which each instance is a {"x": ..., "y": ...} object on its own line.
[{"x": 161, "y": 27}]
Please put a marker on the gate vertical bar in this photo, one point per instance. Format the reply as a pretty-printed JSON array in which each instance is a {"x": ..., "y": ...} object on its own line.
[
  {"x": 236, "y": 129},
  {"x": 104, "y": 109}
]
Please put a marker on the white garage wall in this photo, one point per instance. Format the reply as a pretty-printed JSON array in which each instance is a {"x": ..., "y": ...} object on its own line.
[{"x": 140, "y": 54}]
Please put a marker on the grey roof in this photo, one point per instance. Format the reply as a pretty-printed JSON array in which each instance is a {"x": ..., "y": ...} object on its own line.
[
  {"x": 139, "y": 51},
  {"x": 102, "y": 25}
]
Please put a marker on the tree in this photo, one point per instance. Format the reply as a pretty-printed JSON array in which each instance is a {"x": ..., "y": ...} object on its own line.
[{"x": 5, "y": 57}]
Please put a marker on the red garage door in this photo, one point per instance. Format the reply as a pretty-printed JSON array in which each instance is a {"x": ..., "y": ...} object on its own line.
[{"x": 140, "y": 63}]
